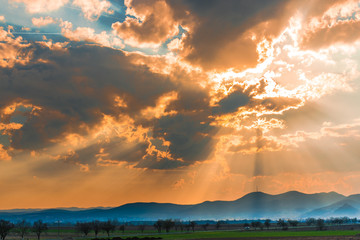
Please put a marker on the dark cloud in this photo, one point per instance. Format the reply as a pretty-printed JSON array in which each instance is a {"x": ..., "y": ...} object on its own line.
[
  {"x": 191, "y": 98},
  {"x": 325, "y": 37},
  {"x": 225, "y": 34},
  {"x": 220, "y": 34},
  {"x": 190, "y": 135},
  {"x": 152, "y": 162},
  {"x": 246, "y": 97},
  {"x": 232, "y": 102},
  {"x": 38, "y": 131},
  {"x": 77, "y": 87}
]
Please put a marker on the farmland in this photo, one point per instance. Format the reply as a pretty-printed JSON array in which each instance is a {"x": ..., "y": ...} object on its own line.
[{"x": 351, "y": 231}]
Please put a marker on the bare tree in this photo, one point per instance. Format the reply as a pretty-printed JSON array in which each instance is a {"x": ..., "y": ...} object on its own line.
[
  {"x": 5, "y": 227},
  {"x": 192, "y": 225},
  {"x": 246, "y": 226},
  {"x": 293, "y": 223},
  {"x": 158, "y": 225},
  {"x": 260, "y": 225},
  {"x": 254, "y": 225},
  {"x": 267, "y": 223},
  {"x": 84, "y": 227},
  {"x": 205, "y": 226},
  {"x": 108, "y": 227},
  {"x": 23, "y": 227},
  {"x": 96, "y": 226},
  {"x": 281, "y": 223},
  {"x": 122, "y": 228},
  {"x": 38, "y": 227},
  {"x": 188, "y": 227},
  {"x": 320, "y": 224},
  {"x": 142, "y": 228},
  {"x": 310, "y": 221},
  {"x": 218, "y": 225},
  {"x": 168, "y": 224},
  {"x": 178, "y": 225}
]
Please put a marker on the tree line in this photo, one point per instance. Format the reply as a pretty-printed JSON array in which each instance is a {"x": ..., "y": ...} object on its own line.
[
  {"x": 23, "y": 227},
  {"x": 97, "y": 226},
  {"x": 109, "y": 226},
  {"x": 160, "y": 225}
]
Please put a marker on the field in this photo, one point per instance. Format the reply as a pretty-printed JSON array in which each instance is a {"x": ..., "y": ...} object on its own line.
[
  {"x": 232, "y": 235},
  {"x": 231, "y": 231},
  {"x": 348, "y": 234}
]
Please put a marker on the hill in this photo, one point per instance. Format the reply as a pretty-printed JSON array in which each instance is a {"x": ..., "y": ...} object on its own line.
[{"x": 251, "y": 206}]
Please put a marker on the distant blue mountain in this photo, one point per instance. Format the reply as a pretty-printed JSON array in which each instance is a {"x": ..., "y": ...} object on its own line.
[
  {"x": 251, "y": 206},
  {"x": 349, "y": 206}
]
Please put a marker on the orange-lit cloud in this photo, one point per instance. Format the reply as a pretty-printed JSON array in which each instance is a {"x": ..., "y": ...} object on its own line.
[
  {"x": 94, "y": 8},
  {"x": 152, "y": 25},
  {"x": 88, "y": 34},
  {"x": 39, "y": 6},
  {"x": 4, "y": 155},
  {"x": 160, "y": 109},
  {"x": 12, "y": 50},
  {"x": 43, "y": 21}
]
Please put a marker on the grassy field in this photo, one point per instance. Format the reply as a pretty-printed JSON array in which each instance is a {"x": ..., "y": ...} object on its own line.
[
  {"x": 132, "y": 231},
  {"x": 205, "y": 234},
  {"x": 255, "y": 234}
]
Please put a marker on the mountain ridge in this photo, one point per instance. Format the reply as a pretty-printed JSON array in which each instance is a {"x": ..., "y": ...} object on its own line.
[{"x": 255, "y": 205}]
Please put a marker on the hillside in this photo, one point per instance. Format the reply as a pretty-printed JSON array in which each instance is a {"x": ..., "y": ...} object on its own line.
[{"x": 251, "y": 206}]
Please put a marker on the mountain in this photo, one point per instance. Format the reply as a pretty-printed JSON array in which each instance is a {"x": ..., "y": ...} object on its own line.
[
  {"x": 251, "y": 206},
  {"x": 346, "y": 207},
  {"x": 30, "y": 210}
]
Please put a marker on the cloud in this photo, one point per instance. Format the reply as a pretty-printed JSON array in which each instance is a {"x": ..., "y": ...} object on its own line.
[
  {"x": 85, "y": 101},
  {"x": 13, "y": 50},
  {"x": 72, "y": 158},
  {"x": 329, "y": 130},
  {"x": 70, "y": 100},
  {"x": 152, "y": 25},
  {"x": 40, "y": 6},
  {"x": 190, "y": 136},
  {"x": 54, "y": 46},
  {"x": 179, "y": 184},
  {"x": 88, "y": 35},
  {"x": 339, "y": 34},
  {"x": 177, "y": 108},
  {"x": 229, "y": 35},
  {"x": 7, "y": 128},
  {"x": 43, "y": 21},
  {"x": 224, "y": 35},
  {"x": 4, "y": 155},
  {"x": 2, "y": 19},
  {"x": 232, "y": 102},
  {"x": 160, "y": 109},
  {"x": 176, "y": 44},
  {"x": 151, "y": 162},
  {"x": 254, "y": 145},
  {"x": 93, "y": 9}
]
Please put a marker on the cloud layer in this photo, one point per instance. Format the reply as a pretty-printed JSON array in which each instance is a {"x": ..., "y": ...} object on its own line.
[{"x": 234, "y": 91}]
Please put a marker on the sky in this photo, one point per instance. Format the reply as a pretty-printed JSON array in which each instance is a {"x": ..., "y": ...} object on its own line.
[{"x": 105, "y": 102}]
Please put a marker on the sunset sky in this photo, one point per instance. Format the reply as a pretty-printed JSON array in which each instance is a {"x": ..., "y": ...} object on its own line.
[{"x": 105, "y": 102}]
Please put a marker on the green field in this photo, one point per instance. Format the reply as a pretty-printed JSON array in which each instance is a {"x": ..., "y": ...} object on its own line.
[{"x": 234, "y": 234}]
